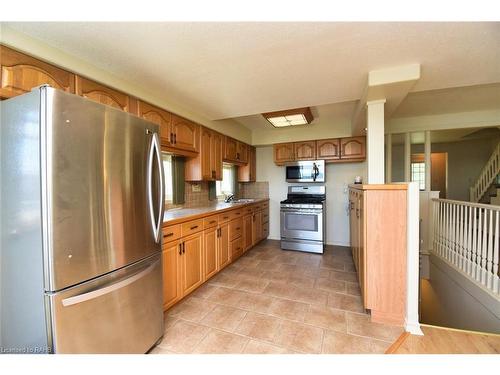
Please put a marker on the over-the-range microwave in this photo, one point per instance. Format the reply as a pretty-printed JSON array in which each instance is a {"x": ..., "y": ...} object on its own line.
[{"x": 305, "y": 171}]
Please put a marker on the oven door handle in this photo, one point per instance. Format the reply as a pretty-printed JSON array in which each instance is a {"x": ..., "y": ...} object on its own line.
[{"x": 303, "y": 212}]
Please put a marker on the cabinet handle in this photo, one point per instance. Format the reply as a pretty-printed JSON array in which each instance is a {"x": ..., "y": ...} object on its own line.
[
  {"x": 183, "y": 248},
  {"x": 180, "y": 248},
  {"x": 357, "y": 212},
  {"x": 225, "y": 217},
  {"x": 171, "y": 137},
  {"x": 238, "y": 248},
  {"x": 168, "y": 234},
  {"x": 238, "y": 228},
  {"x": 194, "y": 227},
  {"x": 211, "y": 222}
]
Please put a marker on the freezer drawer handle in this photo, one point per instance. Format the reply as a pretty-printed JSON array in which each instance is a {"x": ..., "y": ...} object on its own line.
[{"x": 107, "y": 289}]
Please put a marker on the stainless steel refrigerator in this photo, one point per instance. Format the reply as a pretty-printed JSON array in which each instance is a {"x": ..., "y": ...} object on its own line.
[{"x": 81, "y": 213}]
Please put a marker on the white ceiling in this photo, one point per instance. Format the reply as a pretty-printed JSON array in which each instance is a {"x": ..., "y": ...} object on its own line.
[{"x": 225, "y": 70}]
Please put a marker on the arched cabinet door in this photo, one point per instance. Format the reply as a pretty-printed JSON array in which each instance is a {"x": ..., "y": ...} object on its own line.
[
  {"x": 305, "y": 150},
  {"x": 102, "y": 94},
  {"x": 328, "y": 149},
  {"x": 157, "y": 116},
  {"x": 185, "y": 134},
  {"x": 353, "y": 148},
  {"x": 20, "y": 73},
  {"x": 283, "y": 152}
]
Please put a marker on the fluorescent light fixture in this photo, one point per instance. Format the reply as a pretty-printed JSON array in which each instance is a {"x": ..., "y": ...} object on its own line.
[{"x": 290, "y": 117}]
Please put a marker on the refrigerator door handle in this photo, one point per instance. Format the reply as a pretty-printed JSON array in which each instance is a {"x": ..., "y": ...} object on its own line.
[
  {"x": 154, "y": 148},
  {"x": 107, "y": 289}
]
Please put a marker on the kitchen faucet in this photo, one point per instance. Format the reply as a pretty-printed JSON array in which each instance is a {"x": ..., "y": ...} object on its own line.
[{"x": 229, "y": 198}]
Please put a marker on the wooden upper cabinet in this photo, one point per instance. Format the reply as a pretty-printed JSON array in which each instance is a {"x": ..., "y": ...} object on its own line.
[
  {"x": 20, "y": 73},
  {"x": 242, "y": 152},
  {"x": 305, "y": 150},
  {"x": 185, "y": 134},
  {"x": 207, "y": 155},
  {"x": 230, "y": 149},
  {"x": 353, "y": 148},
  {"x": 247, "y": 173},
  {"x": 158, "y": 116},
  {"x": 328, "y": 149},
  {"x": 102, "y": 94},
  {"x": 283, "y": 152},
  {"x": 218, "y": 145}
]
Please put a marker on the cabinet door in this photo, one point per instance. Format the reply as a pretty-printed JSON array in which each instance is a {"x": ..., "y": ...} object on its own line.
[
  {"x": 247, "y": 232},
  {"x": 102, "y": 94},
  {"x": 19, "y": 73},
  {"x": 209, "y": 252},
  {"x": 362, "y": 269},
  {"x": 353, "y": 148},
  {"x": 242, "y": 152},
  {"x": 217, "y": 150},
  {"x": 328, "y": 149},
  {"x": 257, "y": 227},
  {"x": 207, "y": 155},
  {"x": 230, "y": 149},
  {"x": 283, "y": 152},
  {"x": 185, "y": 134},
  {"x": 192, "y": 265},
  {"x": 223, "y": 246},
  {"x": 246, "y": 173},
  {"x": 305, "y": 150},
  {"x": 171, "y": 273},
  {"x": 157, "y": 116}
]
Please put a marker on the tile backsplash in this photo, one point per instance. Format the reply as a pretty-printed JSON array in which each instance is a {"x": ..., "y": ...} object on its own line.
[
  {"x": 196, "y": 198},
  {"x": 258, "y": 189}
]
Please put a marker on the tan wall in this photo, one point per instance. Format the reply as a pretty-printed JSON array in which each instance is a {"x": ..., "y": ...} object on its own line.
[{"x": 55, "y": 56}]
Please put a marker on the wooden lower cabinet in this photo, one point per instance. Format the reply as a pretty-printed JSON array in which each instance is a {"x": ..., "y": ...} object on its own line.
[
  {"x": 171, "y": 273},
  {"x": 257, "y": 227},
  {"x": 223, "y": 257},
  {"x": 196, "y": 250},
  {"x": 247, "y": 232},
  {"x": 210, "y": 266},
  {"x": 191, "y": 262},
  {"x": 378, "y": 228}
]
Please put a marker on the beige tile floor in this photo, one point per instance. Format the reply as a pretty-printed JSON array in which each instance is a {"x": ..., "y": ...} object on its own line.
[{"x": 276, "y": 301}]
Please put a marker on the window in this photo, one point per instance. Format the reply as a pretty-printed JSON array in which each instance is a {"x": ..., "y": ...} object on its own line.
[
  {"x": 418, "y": 174},
  {"x": 167, "y": 171},
  {"x": 226, "y": 186}
]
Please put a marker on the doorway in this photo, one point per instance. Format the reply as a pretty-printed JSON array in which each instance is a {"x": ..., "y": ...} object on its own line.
[{"x": 439, "y": 171}]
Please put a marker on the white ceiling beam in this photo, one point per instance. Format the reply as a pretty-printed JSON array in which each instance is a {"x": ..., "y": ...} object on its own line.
[{"x": 392, "y": 84}]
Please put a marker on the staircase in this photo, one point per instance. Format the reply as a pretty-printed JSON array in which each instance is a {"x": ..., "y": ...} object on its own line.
[{"x": 487, "y": 187}]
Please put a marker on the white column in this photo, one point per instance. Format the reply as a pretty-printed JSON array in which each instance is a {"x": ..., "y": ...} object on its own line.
[
  {"x": 388, "y": 159},
  {"x": 412, "y": 259},
  {"x": 375, "y": 141},
  {"x": 407, "y": 157},
  {"x": 427, "y": 156}
]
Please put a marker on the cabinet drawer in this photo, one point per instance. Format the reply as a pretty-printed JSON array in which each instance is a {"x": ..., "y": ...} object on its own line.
[
  {"x": 265, "y": 216},
  {"x": 247, "y": 210},
  {"x": 192, "y": 227},
  {"x": 210, "y": 222},
  {"x": 235, "y": 214},
  {"x": 236, "y": 248},
  {"x": 235, "y": 229},
  {"x": 171, "y": 233},
  {"x": 224, "y": 217},
  {"x": 265, "y": 205}
]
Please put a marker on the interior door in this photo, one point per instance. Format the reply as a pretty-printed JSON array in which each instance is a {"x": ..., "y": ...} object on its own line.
[{"x": 104, "y": 199}]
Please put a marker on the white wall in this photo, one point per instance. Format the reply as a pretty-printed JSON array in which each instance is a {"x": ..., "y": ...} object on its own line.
[{"x": 338, "y": 176}]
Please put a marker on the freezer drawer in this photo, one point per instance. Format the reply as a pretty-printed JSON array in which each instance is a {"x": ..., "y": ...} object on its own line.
[{"x": 120, "y": 312}]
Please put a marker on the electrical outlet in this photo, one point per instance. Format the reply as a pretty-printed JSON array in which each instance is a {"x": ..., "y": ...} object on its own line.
[{"x": 195, "y": 188}]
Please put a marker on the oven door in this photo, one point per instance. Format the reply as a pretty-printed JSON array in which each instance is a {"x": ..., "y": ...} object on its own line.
[{"x": 302, "y": 224}]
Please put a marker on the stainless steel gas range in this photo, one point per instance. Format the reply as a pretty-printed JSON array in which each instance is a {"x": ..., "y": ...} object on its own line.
[{"x": 303, "y": 219}]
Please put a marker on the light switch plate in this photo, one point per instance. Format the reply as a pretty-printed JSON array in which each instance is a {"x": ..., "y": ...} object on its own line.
[{"x": 195, "y": 188}]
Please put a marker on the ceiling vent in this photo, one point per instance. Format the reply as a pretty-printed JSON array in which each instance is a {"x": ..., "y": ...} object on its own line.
[{"x": 289, "y": 117}]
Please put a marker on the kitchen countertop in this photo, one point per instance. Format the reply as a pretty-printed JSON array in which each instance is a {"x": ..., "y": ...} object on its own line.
[
  {"x": 391, "y": 186},
  {"x": 186, "y": 213}
]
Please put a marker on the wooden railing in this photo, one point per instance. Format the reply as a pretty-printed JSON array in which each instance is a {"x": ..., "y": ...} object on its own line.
[
  {"x": 487, "y": 176},
  {"x": 466, "y": 235}
]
